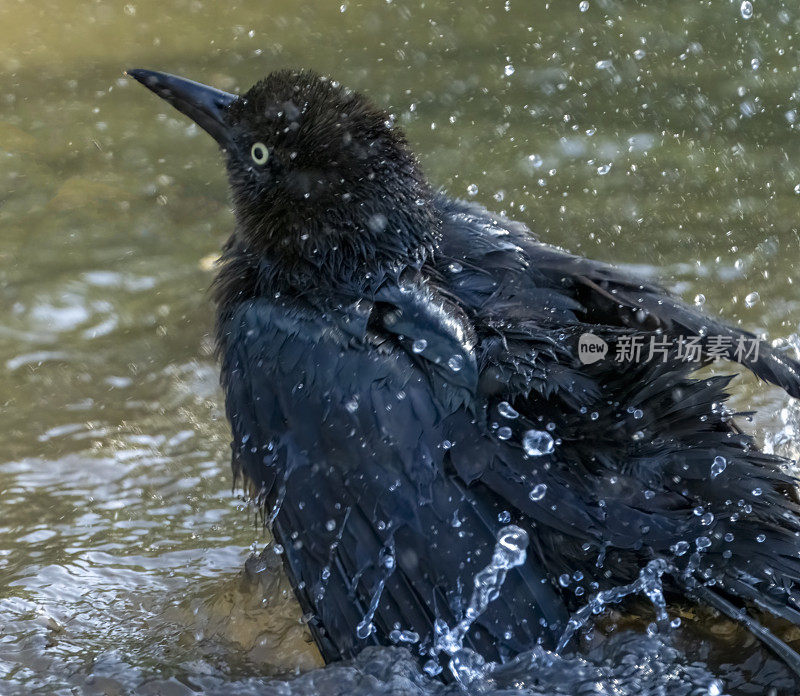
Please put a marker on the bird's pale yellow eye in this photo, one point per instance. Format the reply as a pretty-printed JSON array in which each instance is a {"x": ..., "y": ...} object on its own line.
[{"x": 259, "y": 153}]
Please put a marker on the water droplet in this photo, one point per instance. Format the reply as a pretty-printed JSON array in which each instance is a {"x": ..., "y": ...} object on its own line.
[
  {"x": 472, "y": 189},
  {"x": 511, "y": 545},
  {"x": 718, "y": 466},
  {"x": 537, "y": 442},
  {"x": 419, "y": 345},
  {"x": 702, "y": 542},
  {"x": 506, "y": 410},
  {"x": 715, "y": 688},
  {"x": 456, "y": 362},
  {"x": 536, "y": 161},
  {"x": 538, "y": 492},
  {"x": 352, "y": 405},
  {"x": 761, "y": 538},
  {"x": 675, "y": 622},
  {"x": 330, "y": 525},
  {"x": 757, "y": 492},
  {"x": 455, "y": 267},
  {"x": 752, "y": 299},
  {"x": 637, "y": 414},
  {"x": 504, "y": 517},
  {"x": 583, "y": 5},
  {"x": 699, "y": 300},
  {"x": 564, "y": 580},
  {"x": 680, "y": 548},
  {"x": 603, "y": 64},
  {"x": 504, "y": 433},
  {"x": 398, "y": 636},
  {"x": 707, "y": 519},
  {"x": 728, "y": 537},
  {"x": 746, "y": 9},
  {"x": 797, "y": 188},
  {"x": 604, "y": 169},
  {"x": 508, "y": 71}
]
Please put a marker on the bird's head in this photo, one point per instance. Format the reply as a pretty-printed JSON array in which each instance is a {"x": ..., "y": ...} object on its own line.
[{"x": 321, "y": 180}]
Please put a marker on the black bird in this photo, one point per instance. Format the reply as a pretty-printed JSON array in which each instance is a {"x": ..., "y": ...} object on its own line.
[{"x": 403, "y": 378}]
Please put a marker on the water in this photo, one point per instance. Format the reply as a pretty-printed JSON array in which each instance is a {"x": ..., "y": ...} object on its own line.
[
  {"x": 466, "y": 665},
  {"x": 537, "y": 442},
  {"x": 648, "y": 583},
  {"x": 121, "y": 544}
]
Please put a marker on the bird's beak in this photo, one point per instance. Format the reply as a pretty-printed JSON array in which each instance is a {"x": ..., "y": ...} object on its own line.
[{"x": 206, "y": 106}]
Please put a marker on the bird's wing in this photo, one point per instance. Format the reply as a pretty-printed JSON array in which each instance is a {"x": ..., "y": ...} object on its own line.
[
  {"x": 645, "y": 461},
  {"x": 506, "y": 274},
  {"x": 345, "y": 434},
  {"x": 609, "y": 467}
]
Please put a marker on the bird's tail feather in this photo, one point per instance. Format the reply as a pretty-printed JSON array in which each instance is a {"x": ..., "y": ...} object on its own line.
[
  {"x": 611, "y": 297},
  {"x": 715, "y": 599}
]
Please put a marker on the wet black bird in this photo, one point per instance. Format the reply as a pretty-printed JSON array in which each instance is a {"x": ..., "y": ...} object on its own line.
[{"x": 403, "y": 378}]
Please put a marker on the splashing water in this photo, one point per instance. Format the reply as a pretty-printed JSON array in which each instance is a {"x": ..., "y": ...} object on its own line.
[
  {"x": 509, "y": 552},
  {"x": 387, "y": 563},
  {"x": 648, "y": 583},
  {"x": 276, "y": 508},
  {"x": 786, "y": 441},
  {"x": 627, "y": 664}
]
